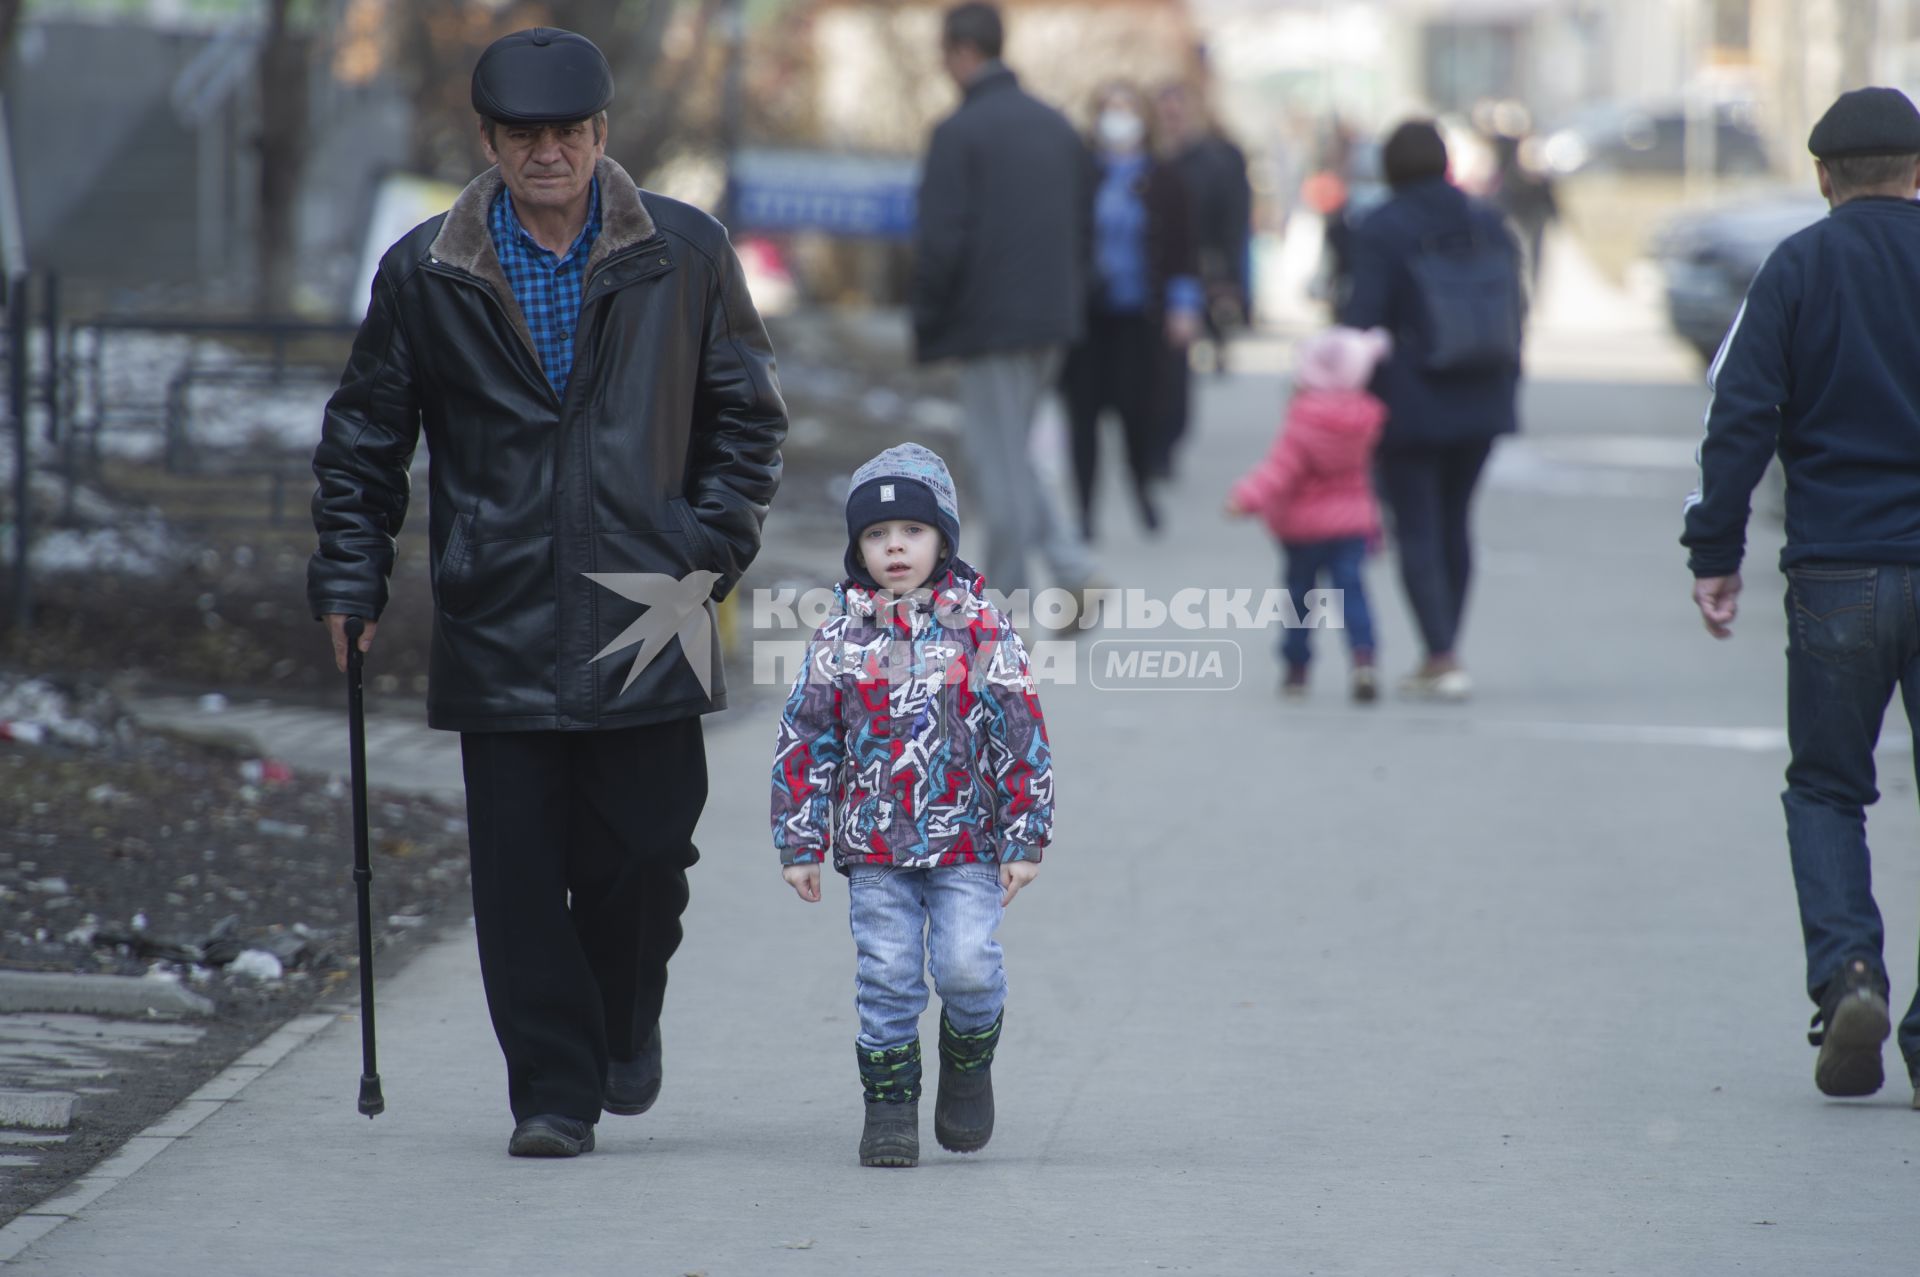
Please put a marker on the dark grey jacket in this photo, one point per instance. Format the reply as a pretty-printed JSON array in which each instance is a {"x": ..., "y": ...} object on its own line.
[
  {"x": 660, "y": 460},
  {"x": 1001, "y": 248}
]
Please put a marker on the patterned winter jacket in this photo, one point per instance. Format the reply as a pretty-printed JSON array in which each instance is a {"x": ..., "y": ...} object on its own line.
[{"x": 913, "y": 736}]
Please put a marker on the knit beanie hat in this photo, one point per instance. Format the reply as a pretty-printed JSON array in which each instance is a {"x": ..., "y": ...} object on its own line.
[
  {"x": 1341, "y": 358},
  {"x": 906, "y": 481}
]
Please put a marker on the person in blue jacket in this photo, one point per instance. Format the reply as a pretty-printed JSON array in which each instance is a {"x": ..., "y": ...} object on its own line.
[{"x": 1822, "y": 367}]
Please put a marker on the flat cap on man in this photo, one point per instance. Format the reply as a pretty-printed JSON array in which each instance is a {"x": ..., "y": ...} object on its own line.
[
  {"x": 1867, "y": 122},
  {"x": 542, "y": 75}
]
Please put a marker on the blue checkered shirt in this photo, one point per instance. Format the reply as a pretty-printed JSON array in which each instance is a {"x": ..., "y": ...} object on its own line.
[{"x": 547, "y": 286}]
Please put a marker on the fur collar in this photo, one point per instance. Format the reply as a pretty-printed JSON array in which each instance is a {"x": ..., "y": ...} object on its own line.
[{"x": 465, "y": 240}]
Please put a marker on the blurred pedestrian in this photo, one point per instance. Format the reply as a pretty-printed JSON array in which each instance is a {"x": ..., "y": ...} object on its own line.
[
  {"x": 1524, "y": 192},
  {"x": 999, "y": 284},
  {"x": 1220, "y": 212},
  {"x": 1821, "y": 369},
  {"x": 1441, "y": 273},
  {"x": 1143, "y": 309},
  {"x": 598, "y": 397},
  {"x": 937, "y": 813},
  {"x": 1315, "y": 492}
]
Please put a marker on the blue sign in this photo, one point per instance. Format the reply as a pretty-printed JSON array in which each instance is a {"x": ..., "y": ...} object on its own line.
[{"x": 859, "y": 196}]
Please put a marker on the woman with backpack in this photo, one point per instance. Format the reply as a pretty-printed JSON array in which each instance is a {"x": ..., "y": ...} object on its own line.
[{"x": 1441, "y": 272}]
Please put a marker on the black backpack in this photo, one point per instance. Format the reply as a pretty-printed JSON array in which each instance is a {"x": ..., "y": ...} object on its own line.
[{"x": 1472, "y": 299}]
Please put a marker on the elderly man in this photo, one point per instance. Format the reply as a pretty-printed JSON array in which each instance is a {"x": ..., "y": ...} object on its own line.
[
  {"x": 599, "y": 402},
  {"x": 999, "y": 284},
  {"x": 1820, "y": 368}
]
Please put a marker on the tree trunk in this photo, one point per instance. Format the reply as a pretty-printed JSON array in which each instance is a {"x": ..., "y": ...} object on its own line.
[{"x": 283, "y": 147}]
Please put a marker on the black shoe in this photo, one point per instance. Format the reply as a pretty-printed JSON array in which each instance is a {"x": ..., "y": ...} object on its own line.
[
  {"x": 892, "y": 1134},
  {"x": 1849, "y": 1027},
  {"x": 550, "y": 1135},
  {"x": 963, "y": 1111},
  {"x": 633, "y": 1085}
]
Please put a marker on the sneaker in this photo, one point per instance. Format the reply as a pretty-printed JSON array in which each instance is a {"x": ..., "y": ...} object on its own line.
[
  {"x": 551, "y": 1135},
  {"x": 1366, "y": 686},
  {"x": 1293, "y": 684},
  {"x": 1452, "y": 685},
  {"x": 1848, "y": 1028}
]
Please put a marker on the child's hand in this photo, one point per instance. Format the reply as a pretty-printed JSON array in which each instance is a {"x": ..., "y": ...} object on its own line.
[
  {"x": 1015, "y": 874},
  {"x": 1233, "y": 507},
  {"x": 805, "y": 881}
]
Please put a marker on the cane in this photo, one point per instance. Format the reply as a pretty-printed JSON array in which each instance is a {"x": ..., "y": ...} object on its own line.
[{"x": 372, "y": 1102}]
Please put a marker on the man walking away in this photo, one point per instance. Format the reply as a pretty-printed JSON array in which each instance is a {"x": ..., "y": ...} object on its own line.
[
  {"x": 999, "y": 284},
  {"x": 1822, "y": 367}
]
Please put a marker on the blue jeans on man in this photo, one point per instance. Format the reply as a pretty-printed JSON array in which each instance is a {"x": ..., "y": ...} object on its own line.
[
  {"x": 907, "y": 920},
  {"x": 1853, "y": 637}
]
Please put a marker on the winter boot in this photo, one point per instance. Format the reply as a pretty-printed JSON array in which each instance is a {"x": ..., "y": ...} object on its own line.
[
  {"x": 963, "y": 1113},
  {"x": 891, "y": 1081}
]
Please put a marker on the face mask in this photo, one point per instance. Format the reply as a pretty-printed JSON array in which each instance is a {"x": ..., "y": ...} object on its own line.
[{"x": 1122, "y": 130}]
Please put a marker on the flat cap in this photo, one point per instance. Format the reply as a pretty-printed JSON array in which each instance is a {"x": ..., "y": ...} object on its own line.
[
  {"x": 542, "y": 75},
  {"x": 1867, "y": 122}
]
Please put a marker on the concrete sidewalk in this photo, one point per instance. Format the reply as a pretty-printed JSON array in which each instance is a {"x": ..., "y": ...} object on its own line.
[{"x": 1504, "y": 988}]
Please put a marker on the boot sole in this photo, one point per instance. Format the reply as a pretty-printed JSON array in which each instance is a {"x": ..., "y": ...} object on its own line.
[
  {"x": 548, "y": 1144},
  {"x": 1849, "y": 1062},
  {"x": 897, "y": 1161},
  {"x": 967, "y": 1143}
]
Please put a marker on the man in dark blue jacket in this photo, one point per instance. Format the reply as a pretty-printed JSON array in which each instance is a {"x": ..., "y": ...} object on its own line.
[{"x": 1823, "y": 366}]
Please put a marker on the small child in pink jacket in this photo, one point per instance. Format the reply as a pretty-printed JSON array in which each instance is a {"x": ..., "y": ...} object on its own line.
[{"x": 1315, "y": 491}]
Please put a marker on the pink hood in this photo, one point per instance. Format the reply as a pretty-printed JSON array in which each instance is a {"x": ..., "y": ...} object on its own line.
[{"x": 1316, "y": 483}]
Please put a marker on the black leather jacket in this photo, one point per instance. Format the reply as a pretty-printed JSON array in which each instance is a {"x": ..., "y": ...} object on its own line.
[{"x": 661, "y": 459}]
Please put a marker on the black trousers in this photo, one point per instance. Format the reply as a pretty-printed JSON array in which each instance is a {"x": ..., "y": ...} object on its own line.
[
  {"x": 1429, "y": 496},
  {"x": 580, "y": 843},
  {"x": 1176, "y": 403},
  {"x": 1117, "y": 366}
]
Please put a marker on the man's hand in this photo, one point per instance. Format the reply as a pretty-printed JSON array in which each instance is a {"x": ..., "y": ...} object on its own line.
[
  {"x": 805, "y": 881},
  {"x": 1718, "y": 598},
  {"x": 337, "y": 631},
  {"x": 1015, "y": 874}
]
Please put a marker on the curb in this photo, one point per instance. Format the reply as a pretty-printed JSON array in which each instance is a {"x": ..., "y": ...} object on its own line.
[
  {"x": 35, "y": 1223},
  {"x": 111, "y": 995}
]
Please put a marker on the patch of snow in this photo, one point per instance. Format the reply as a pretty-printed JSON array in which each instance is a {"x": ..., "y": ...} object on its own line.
[{"x": 257, "y": 964}]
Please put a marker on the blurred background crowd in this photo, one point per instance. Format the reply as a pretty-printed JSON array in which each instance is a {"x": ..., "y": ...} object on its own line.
[
  {"x": 193, "y": 194},
  {"x": 221, "y": 156}
]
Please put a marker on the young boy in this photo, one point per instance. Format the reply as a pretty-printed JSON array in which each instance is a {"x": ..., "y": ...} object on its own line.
[{"x": 912, "y": 748}]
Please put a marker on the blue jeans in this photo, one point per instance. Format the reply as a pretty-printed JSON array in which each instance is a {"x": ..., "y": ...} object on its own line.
[
  {"x": 1853, "y": 636},
  {"x": 1340, "y": 560},
  {"x": 907, "y": 919}
]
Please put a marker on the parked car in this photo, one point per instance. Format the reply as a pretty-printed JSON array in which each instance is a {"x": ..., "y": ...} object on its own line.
[
  {"x": 1652, "y": 139},
  {"x": 1709, "y": 257}
]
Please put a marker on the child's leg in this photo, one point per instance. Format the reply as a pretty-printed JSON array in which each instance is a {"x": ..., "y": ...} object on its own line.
[
  {"x": 1303, "y": 561},
  {"x": 1344, "y": 567},
  {"x": 963, "y": 912},
  {"x": 887, "y": 910}
]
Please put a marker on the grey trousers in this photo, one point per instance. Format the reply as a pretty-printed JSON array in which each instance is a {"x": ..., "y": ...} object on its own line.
[{"x": 999, "y": 394}]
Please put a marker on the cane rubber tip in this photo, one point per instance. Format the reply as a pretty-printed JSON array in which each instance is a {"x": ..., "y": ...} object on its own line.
[{"x": 372, "y": 1103}]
